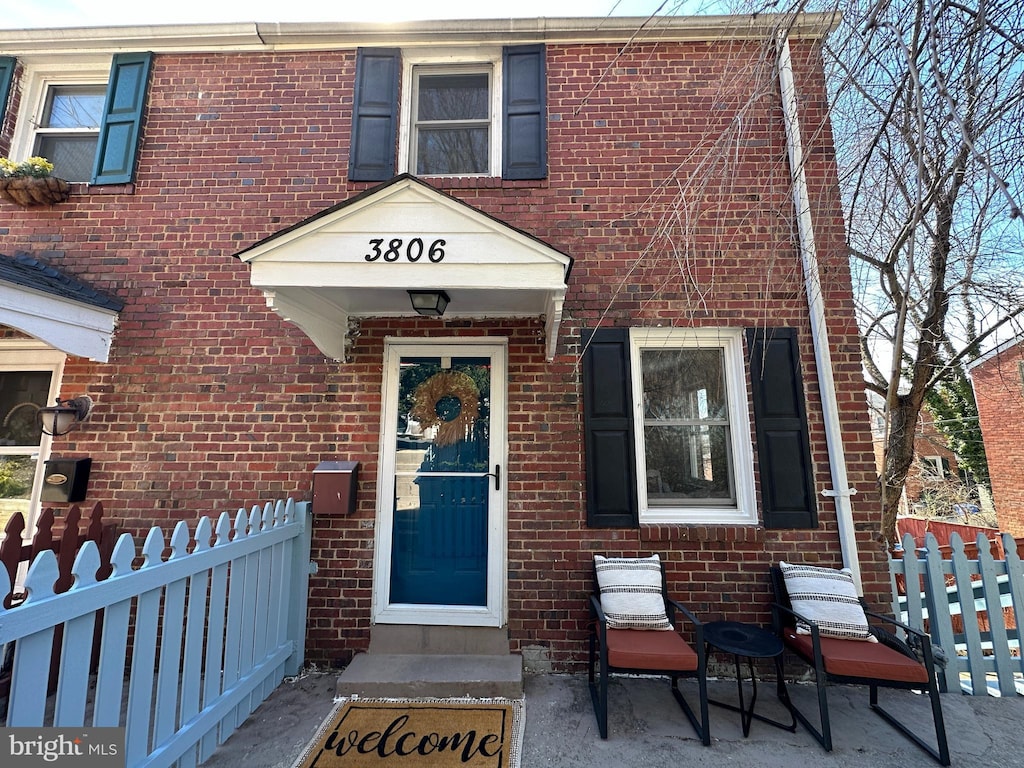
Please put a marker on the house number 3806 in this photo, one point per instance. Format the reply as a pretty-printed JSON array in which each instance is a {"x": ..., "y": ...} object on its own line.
[{"x": 397, "y": 248}]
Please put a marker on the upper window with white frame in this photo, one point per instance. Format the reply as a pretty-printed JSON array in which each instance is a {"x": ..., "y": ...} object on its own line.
[
  {"x": 84, "y": 115},
  {"x": 692, "y": 427},
  {"x": 61, "y": 112},
  {"x": 452, "y": 103},
  {"x": 452, "y": 120}
]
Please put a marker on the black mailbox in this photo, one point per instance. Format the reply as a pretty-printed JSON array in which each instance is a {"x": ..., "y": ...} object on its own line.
[
  {"x": 65, "y": 479},
  {"x": 334, "y": 487}
]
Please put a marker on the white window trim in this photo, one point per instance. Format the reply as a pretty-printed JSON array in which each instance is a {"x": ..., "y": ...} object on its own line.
[
  {"x": 31, "y": 355},
  {"x": 934, "y": 467},
  {"x": 37, "y": 77},
  {"x": 730, "y": 341},
  {"x": 484, "y": 56}
]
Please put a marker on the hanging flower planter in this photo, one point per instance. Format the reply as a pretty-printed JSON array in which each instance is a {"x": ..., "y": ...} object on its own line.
[
  {"x": 30, "y": 183},
  {"x": 29, "y": 190}
]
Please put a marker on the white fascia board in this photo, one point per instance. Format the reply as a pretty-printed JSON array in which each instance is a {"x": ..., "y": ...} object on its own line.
[{"x": 74, "y": 328}]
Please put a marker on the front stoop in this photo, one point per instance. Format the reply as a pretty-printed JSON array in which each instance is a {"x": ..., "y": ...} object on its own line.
[
  {"x": 432, "y": 676},
  {"x": 434, "y": 662}
]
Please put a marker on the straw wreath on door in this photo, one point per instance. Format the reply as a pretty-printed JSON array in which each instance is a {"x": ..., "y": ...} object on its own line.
[{"x": 449, "y": 401}]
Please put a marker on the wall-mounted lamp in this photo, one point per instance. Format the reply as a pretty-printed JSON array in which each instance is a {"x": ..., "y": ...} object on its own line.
[
  {"x": 61, "y": 418},
  {"x": 430, "y": 303}
]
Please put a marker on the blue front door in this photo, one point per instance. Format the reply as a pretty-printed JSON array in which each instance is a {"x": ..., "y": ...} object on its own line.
[{"x": 443, "y": 477}]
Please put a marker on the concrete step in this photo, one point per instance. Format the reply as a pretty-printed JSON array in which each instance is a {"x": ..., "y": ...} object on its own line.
[
  {"x": 444, "y": 640},
  {"x": 418, "y": 675}
]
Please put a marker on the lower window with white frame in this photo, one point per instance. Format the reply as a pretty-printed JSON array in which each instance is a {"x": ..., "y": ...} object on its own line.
[
  {"x": 692, "y": 426},
  {"x": 29, "y": 374}
]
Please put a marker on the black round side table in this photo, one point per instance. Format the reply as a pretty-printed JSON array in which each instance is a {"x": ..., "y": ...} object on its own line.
[{"x": 751, "y": 642}]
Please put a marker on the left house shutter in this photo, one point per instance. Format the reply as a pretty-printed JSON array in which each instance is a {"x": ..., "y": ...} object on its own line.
[
  {"x": 7, "y": 64},
  {"x": 375, "y": 115},
  {"x": 608, "y": 430},
  {"x": 780, "y": 418},
  {"x": 121, "y": 127},
  {"x": 524, "y": 141}
]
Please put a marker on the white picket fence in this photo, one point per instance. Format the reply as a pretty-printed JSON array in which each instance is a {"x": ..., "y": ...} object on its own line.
[
  {"x": 979, "y": 662},
  {"x": 209, "y": 631}
]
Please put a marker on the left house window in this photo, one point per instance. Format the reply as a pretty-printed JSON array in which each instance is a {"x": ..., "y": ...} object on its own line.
[
  {"x": 69, "y": 129},
  {"x": 85, "y": 115},
  {"x": 28, "y": 376}
]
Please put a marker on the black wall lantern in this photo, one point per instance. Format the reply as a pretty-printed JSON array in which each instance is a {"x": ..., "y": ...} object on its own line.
[
  {"x": 429, "y": 303},
  {"x": 61, "y": 418}
]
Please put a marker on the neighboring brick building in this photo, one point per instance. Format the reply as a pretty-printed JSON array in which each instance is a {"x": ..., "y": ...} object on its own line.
[
  {"x": 293, "y": 183},
  {"x": 998, "y": 379},
  {"x": 934, "y": 485}
]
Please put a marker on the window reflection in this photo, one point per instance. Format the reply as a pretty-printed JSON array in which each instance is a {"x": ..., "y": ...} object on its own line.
[{"x": 686, "y": 427}]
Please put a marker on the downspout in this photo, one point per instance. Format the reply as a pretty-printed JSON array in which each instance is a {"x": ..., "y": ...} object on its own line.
[{"x": 840, "y": 490}]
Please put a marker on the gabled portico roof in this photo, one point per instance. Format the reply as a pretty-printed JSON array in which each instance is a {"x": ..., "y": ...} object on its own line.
[
  {"x": 68, "y": 314},
  {"x": 361, "y": 257}
]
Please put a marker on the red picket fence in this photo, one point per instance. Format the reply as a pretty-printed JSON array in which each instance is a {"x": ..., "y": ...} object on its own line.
[{"x": 64, "y": 538}]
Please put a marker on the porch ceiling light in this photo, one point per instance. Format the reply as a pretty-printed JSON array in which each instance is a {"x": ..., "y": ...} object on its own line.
[
  {"x": 61, "y": 418},
  {"x": 429, "y": 303}
]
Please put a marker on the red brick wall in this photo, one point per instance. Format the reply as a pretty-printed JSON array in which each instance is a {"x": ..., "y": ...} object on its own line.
[
  {"x": 211, "y": 401},
  {"x": 999, "y": 390},
  {"x": 929, "y": 442}
]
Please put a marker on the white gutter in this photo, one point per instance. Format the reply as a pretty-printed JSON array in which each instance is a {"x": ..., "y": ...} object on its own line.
[
  {"x": 840, "y": 490},
  {"x": 310, "y": 36}
]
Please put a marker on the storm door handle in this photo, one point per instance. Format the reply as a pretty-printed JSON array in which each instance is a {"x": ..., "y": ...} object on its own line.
[{"x": 496, "y": 474}]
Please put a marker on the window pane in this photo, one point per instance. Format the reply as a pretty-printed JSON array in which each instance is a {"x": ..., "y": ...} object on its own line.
[
  {"x": 453, "y": 97},
  {"x": 686, "y": 427},
  {"x": 684, "y": 384},
  {"x": 16, "y": 476},
  {"x": 688, "y": 465},
  {"x": 452, "y": 150},
  {"x": 443, "y": 417},
  {"x": 72, "y": 156},
  {"x": 22, "y": 394},
  {"x": 79, "y": 106}
]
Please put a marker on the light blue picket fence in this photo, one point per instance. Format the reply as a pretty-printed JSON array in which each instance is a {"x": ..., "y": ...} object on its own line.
[
  {"x": 979, "y": 661},
  {"x": 208, "y": 632}
]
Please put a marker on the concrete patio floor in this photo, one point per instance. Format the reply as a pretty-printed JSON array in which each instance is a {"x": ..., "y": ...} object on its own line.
[{"x": 647, "y": 728}]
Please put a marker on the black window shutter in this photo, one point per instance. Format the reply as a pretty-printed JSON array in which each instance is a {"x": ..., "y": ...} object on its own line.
[
  {"x": 608, "y": 430},
  {"x": 7, "y": 64},
  {"x": 375, "y": 115},
  {"x": 121, "y": 126},
  {"x": 525, "y": 144},
  {"x": 780, "y": 416}
]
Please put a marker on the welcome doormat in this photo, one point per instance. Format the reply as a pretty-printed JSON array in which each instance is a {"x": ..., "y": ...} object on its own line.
[{"x": 416, "y": 733}]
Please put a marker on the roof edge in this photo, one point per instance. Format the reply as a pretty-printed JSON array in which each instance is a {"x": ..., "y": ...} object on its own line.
[{"x": 328, "y": 35}]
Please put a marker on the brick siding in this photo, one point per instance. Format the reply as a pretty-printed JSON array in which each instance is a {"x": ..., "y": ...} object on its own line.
[
  {"x": 999, "y": 392},
  {"x": 210, "y": 400}
]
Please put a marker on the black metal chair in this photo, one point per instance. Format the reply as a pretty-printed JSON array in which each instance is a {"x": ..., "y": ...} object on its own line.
[
  {"x": 889, "y": 663},
  {"x": 648, "y": 652}
]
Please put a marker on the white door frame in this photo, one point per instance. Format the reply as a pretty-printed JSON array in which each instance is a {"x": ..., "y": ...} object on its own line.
[{"x": 493, "y": 614}]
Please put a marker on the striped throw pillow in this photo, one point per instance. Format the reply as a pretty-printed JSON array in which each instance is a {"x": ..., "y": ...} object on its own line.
[
  {"x": 631, "y": 595},
  {"x": 828, "y": 597}
]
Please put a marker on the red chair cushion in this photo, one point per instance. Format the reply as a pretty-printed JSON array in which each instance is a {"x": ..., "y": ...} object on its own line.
[
  {"x": 650, "y": 649},
  {"x": 856, "y": 658}
]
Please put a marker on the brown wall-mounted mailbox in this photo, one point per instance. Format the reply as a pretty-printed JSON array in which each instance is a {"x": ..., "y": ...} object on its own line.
[
  {"x": 65, "y": 479},
  {"x": 334, "y": 487}
]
